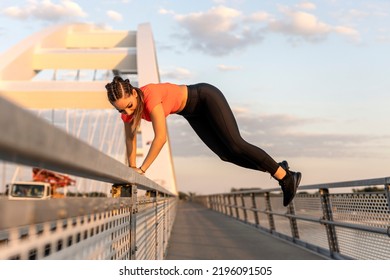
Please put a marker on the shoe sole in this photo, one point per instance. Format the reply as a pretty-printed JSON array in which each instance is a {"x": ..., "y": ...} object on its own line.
[{"x": 299, "y": 176}]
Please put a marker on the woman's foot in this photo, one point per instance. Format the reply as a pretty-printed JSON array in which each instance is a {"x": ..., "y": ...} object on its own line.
[{"x": 289, "y": 183}]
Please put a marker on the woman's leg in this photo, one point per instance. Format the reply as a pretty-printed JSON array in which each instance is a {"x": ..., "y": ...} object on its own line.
[
  {"x": 214, "y": 122},
  {"x": 220, "y": 117},
  {"x": 206, "y": 132}
]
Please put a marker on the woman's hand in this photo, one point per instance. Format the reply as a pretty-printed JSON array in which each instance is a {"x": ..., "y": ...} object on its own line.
[{"x": 139, "y": 170}]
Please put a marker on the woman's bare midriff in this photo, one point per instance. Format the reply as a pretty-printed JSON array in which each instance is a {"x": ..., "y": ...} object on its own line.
[{"x": 184, "y": 91}]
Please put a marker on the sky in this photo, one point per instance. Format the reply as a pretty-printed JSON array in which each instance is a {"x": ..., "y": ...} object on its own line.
[{"x": 307, "y": 80}]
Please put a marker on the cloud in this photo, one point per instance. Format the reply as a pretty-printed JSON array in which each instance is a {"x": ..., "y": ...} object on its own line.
[
  {"x": 114, "y": 15},
  {"x": 217, "y": 31},
  {"x": 306, "y": 6},
  {"x": 163, "y": 11},
  {"x": 222, "y": 30},
  {"x": 348, "y": 32},
  {"x": 219, "y": 1},
  {"x": 259, "y": 17},
  {"x": 297, "y": 24},
  {"x": 177, "y": 73},
  {"x": 223, "y": 67},
  {"x": 301, "y": 24},
  {"x": 45, "y": 10},
  {"x": 357, "y": 14}
]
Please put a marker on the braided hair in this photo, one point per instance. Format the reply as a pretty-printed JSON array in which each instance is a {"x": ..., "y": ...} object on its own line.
[{"x": 120, "y": 88}]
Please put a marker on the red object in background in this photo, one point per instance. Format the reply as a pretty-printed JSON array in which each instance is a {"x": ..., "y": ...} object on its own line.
[{"x": 56, "y": 180}]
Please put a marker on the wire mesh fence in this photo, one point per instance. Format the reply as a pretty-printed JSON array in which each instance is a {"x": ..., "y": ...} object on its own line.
[{"x": 341, "y": 225}]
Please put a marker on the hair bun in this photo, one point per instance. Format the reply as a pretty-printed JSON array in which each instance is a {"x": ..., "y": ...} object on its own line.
[{"x": 117, "y": 79}]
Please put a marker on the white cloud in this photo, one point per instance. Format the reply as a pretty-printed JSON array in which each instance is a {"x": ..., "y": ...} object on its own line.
[
  {"x": 306, "y": 6},
  {"x": 349, "y": 32},
  {"x": 163, "y": 11},
  {"x": 216, "y": 20},
  {"x": 222, "y": 30},
  {"x": 114, "y": 15},
  {"x": 298, "y": 24},
  {"x": 177, "y": 73},
  {"x": 302, "y": 24},
  {"x": 353, "y": 13},
  {"x": 45, "y": 10},
  {"x": 260, "y": 17},
  {"x": 224, "y": 67},
  {"x": 217, "y": 31}
]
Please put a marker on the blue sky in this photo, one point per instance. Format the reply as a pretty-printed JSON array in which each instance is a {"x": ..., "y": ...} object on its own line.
[{"x": 307, "y": 80}]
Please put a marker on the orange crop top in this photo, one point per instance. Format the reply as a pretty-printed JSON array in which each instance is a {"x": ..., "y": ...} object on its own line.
[{"x": 169, "y": 95}]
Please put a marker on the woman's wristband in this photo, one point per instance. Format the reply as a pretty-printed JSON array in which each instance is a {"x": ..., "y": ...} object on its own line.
[{"x": 140, "y": 168}]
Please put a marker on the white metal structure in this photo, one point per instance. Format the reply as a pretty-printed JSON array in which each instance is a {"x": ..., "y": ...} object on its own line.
[
  {"x": 62, "y": 71},
  {"x": 127, "y": 226}
]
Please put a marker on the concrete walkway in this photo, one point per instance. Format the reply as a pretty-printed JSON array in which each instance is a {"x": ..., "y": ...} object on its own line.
[{"x": 201, "y": 234}]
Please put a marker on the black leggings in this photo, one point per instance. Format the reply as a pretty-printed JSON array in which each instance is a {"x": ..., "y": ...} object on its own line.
[{"x": 210, "y": 116}]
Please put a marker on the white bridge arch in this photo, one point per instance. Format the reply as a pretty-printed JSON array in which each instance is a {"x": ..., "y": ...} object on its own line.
[{"x": 62, "y": 70}]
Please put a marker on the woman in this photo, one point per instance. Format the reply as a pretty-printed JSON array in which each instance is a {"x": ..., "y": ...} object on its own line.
[{"x": 208, "y": 113}]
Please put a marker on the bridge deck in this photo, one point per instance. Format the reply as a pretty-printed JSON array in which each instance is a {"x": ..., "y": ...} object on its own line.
[{"x": 201, "y": 234}]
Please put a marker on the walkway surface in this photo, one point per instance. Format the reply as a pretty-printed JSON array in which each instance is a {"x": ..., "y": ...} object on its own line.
[{"x": 202, "y": 234}]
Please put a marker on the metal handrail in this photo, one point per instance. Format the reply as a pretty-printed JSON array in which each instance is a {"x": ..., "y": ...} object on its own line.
[
  {"x": 330, "y": 185},
  {"x": 63, "y": 228},
  {"x": 318, "y": 220},
  {"x": 227, "y": 203},
  {"x": 22, "y": 133}
]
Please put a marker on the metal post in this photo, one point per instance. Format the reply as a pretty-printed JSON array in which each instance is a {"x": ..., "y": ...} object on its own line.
[
  {"x": 236, "y": 206},
  {"x": 221, "y": 206},
  {"x": 293, "y": 221},
  {"x": 387, "y": 186},
  {"x": 269, "y": 211},
  {"x": 225, "y": 204},
  {"x": 254, "y": 206},
  {"x": 387, "y": 191},
  {"x": 165, "y": 226},
  {"x": 328, "y": 216},
  {"x": 133, "y": 221},
  {"x": 220, "y": 209},
  {"x": 208, "y": 202},
  {"x": 129, "y": 190},
  {"x": 155, "y": 195},
  {"x": 230, "y": 205},
  {"x": 244, "y": 208}
]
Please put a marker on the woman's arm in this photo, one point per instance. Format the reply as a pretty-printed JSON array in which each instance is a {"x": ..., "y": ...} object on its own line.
[
  {"x": 131, "y": 145},
  {"x": 160, "y": 136}
]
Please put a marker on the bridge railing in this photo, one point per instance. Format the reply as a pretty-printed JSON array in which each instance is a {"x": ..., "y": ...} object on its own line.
[
  {"x": 126, "y": 226},
  {"x": 339, "y": 225}
]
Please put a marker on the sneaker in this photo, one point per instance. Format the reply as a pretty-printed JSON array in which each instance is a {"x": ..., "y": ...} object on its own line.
[{"x": 289, "y": 183}]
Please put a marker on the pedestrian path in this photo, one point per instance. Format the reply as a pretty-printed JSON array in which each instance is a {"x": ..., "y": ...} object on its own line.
[{"x": 202, "y": 234}]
